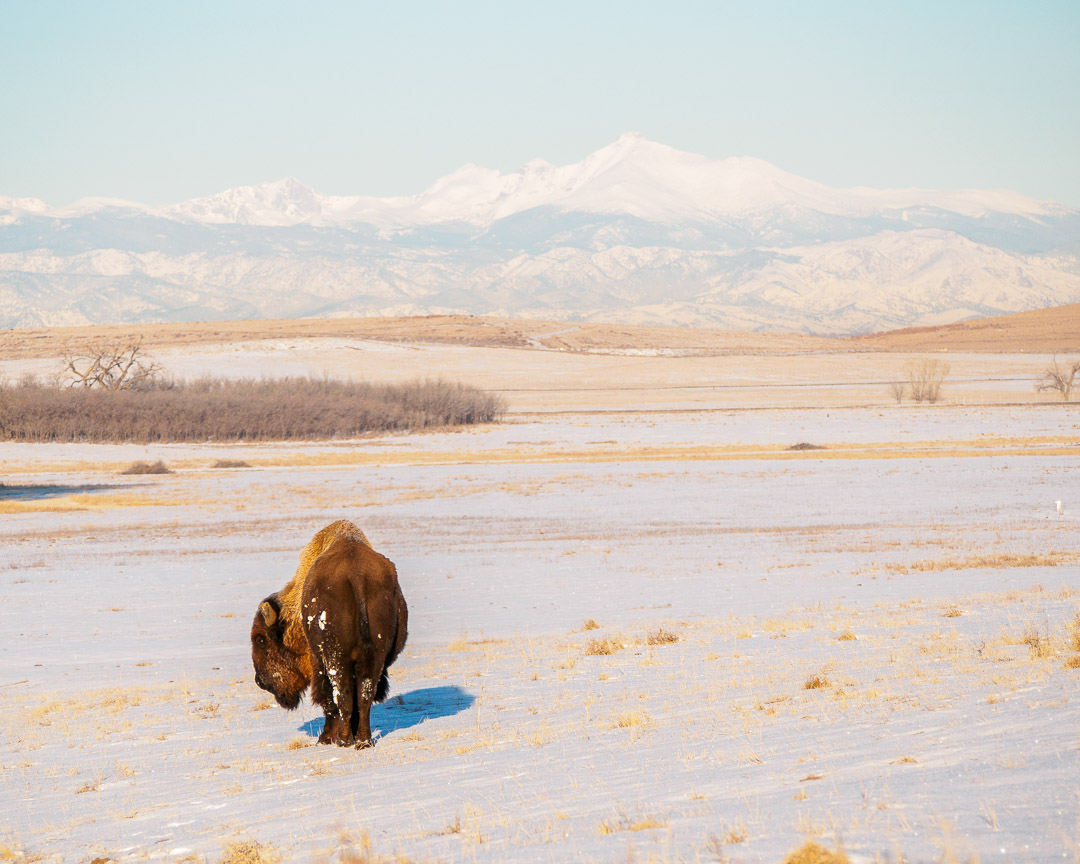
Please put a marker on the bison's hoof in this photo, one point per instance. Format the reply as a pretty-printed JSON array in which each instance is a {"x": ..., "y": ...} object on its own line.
[
  {"x": 324, "y": 737},
  {"x": 364, "y": 743}
]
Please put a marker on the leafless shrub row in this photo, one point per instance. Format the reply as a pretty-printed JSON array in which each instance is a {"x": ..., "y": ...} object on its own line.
[{"x": 237, "y": 410}]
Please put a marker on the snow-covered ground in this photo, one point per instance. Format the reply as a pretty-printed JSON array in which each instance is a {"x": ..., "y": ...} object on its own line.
[{"x": 870, "y": 645}]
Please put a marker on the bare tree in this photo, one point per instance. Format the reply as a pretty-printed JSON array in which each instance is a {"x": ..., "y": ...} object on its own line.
[
  {"x": 897, "y": 389},
  {"x": 1059, "y": 378},
  {"x": 925, "y": 377},
  {"x": 115, "y": 366}
]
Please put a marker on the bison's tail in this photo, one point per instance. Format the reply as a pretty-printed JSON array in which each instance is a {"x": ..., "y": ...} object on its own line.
[
  {"x": 383, "y": 687},
  {"x": 383, "y": 690}
]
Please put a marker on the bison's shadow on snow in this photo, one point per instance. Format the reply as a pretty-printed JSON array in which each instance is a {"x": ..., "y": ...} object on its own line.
[
  {"x": 408, "y": 710},
  {"x": 36, "y": 493}
]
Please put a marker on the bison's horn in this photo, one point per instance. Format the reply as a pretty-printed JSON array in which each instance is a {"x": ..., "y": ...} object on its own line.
[{"x": 268, "y": 613}]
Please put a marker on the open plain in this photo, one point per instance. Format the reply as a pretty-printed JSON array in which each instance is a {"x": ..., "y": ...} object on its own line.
[{"x": 699, "y": 597}]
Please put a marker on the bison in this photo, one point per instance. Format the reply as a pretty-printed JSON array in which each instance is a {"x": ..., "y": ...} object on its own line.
[{"x": 336, "y": 626}]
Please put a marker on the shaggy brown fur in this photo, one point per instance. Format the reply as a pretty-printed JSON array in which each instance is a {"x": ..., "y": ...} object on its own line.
[
  {"x": 336, "y": 627},
  {"x": 286, "y": 672},
  {"x": 290, "y": 594}
]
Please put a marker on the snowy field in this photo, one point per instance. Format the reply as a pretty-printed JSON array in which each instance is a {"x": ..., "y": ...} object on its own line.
[{"x": 633, "y": 637}]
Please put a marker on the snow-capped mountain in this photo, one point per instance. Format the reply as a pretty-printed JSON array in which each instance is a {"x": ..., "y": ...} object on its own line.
[
  {"x": 637, "y": 231},
  {"x": 631, "y": 177}
]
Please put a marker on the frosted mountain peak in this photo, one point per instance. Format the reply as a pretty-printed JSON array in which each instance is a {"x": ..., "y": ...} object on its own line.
[
  {"x": 28, "y": 205},
  {"x": 636, "y": 230},
  {"x": 278, "y": 202},
  {"x": 631, "y": 176}
]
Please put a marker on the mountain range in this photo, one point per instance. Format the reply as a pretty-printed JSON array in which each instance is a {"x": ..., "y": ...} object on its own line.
[{"x": 637, "y": 232}]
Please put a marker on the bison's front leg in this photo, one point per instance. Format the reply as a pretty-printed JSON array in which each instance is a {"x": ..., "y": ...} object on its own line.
[
  {"x": 330, "y": 729},
  {"x": 322, "y": 695}
]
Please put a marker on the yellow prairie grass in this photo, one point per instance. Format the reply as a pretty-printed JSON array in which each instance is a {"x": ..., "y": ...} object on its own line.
[
  {"x": 250, "y": 852},
  {"x": 629, "y": 720},
  {"x": 816, "y": 682},
  {"x": 88, "y": 501},
  {"x": 812, "y": 853},
  {"x": 627, "y": 823},
  {"x": 1000, "y": 561},
  {"x": 604, "y": 646}
]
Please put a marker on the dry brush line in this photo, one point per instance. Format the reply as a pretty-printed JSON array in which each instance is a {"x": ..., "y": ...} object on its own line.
[{"x": 238, "y": 410}]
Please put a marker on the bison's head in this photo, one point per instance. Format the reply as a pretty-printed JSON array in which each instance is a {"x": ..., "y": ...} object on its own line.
[{"x": 278, "y": 669}]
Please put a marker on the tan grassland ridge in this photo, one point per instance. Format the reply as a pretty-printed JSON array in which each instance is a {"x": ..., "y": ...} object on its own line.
[
  {"x": 432, "y": 329},
  {"x": 1044, "y": 331}
]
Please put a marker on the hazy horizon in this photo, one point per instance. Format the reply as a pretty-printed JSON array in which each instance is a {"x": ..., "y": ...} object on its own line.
[{"x": 165, "y": 104}]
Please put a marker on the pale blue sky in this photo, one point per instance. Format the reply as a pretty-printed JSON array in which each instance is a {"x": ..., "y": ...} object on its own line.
[{"x": 161, "y": 102}]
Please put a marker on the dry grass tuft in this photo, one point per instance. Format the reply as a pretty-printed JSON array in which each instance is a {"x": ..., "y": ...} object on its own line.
[
  {"x": 604, "y": 646},
  {"x": 1039, "y": 647},
  {"x": 812, "y": 853},
  {"x": 250, "y": 852},
  {"x": 298, "y": 744},
  {"x": 846, "y": 636},
  {"x": 951, "y": 611},
  {"x": 1000, "y": 561},
  {"x": 352, "y": 850},
  {"x": 626, "y": 823},
  {"x": 590, "y": 624},
  {"x": 230, "y": 463},
  {"x": 1074, "y": 633},
  {"x": 661, "y": 637},
  {"x": 1073, "y": 662},
  {"x": 816, "y": 682},
  {"x": 629, "y": 720},
  {"x": 158, "y": 467}
]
